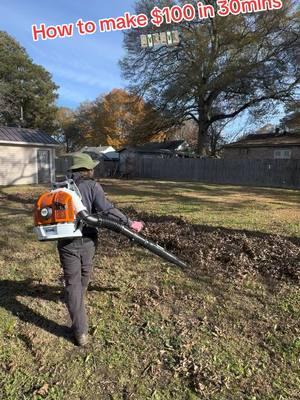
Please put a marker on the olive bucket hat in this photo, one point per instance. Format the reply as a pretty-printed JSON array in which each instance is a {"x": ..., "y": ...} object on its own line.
[{"x": 82, "y": 160}]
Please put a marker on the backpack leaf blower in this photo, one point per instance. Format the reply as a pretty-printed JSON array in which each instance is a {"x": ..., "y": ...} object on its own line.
[{"x": 60, "y": 214}]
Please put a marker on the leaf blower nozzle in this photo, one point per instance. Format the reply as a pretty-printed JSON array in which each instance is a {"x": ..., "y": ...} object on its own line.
[{"x": 99, "y": 221}]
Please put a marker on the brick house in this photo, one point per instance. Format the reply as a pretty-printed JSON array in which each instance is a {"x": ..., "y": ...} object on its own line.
[
  {"x": 26, "y": 156},
  {"x": 275, "y": 145}
]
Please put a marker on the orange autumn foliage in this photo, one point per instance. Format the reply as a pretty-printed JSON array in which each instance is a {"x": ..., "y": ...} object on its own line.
[{"x": 118, "y": 119}]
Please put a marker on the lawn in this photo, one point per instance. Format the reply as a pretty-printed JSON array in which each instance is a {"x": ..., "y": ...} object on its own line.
[
  {"x": 260, "y": 209},
  {"x": 159, "y": 332}
]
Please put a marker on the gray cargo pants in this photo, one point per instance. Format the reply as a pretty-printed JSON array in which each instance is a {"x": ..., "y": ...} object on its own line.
[{"x": 76, "y": 260}]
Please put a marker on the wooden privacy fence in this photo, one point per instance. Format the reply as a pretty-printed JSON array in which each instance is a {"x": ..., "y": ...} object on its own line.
[
  {"x": 272, "y": 173},
  {"x": 62, "y": 165}
]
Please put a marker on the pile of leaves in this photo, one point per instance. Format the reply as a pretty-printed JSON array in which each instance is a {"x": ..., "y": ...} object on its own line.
[
  {"x": 216, "y": 250},
  {"x": 206, "y": 249}
]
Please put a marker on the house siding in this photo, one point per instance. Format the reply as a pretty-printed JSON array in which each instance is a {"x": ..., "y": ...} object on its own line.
[
  {"x": 18, "y": 164},
  {"x": 261, "y": 153}
]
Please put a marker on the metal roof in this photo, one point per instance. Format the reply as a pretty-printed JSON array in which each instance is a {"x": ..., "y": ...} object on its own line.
[{"x": 25, "y": 136}]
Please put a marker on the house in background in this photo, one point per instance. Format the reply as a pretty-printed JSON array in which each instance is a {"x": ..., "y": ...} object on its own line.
[
  {"x": 26, "y": 156},
  {"x": 273, "y": 145},
  {"x": 130, "y": 155}
]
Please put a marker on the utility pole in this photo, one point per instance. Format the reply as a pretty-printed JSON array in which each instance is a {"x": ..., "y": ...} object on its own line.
[{"x": 21, "y": 117}]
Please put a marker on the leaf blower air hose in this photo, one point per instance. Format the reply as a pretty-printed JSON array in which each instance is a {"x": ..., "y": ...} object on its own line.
[{"x": 99, "y": 221}]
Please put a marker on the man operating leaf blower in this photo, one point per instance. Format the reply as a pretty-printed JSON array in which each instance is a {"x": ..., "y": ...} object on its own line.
[
  {"x": 76, "y": 254},
  {"x": 71, "y": 214}
]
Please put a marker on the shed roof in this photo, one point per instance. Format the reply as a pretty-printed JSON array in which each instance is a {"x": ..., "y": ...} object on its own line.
[
  {"x": 25, "y": 136},
  {"x": 267, "y": 140}
]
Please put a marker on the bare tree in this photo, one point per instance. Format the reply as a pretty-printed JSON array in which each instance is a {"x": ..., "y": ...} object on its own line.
[{"x": 222, "y": 67}]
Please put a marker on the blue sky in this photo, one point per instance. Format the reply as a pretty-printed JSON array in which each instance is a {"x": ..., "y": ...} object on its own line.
[{"x": 83, "y": 66}]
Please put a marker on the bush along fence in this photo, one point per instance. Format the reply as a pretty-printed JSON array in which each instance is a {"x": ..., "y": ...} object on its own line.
[{"x": 271, "y": 173}]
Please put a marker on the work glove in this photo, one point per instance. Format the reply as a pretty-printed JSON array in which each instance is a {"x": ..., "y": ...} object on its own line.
[{"x": 137, "y": 226}]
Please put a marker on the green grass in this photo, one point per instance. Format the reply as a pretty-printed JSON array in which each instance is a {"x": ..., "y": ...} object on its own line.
[
  {"x": 156, "y": 332},
  {"x": 259, "y": 209}
]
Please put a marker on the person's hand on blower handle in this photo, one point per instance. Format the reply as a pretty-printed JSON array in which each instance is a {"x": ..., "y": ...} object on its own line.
[{"x": 136, "y": 226}]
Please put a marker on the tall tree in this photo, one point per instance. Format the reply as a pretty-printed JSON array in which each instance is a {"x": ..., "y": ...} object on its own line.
[
  {"x": 27, "y": 92},
  {"x": 222, "y": 67},
  {"x": 116, "y": 119},
  {"x": 67, "y": 131},
  {"x": 187, "y": 131},
  {"x": 120, "y": 113},
  {"x": 150, "y": 126}
]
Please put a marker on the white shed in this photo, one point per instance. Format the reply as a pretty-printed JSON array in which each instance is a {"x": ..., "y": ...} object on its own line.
[{"x": 26, "y": 156}]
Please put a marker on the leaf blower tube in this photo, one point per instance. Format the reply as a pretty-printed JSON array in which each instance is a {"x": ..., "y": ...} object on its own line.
[{"x": 99, "y": 221}]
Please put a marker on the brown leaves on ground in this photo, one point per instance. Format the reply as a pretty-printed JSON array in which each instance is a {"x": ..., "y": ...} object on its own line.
[
  {"x": 217, "y": 250},
  {"x": 42, "y": 391},
  {"x": 209, "y": 249}
]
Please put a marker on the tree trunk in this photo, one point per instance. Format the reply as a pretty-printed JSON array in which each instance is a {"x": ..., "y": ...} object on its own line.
[{"x": 202, "y": 138}]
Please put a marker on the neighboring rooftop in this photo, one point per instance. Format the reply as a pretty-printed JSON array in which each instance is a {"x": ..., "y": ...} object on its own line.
[
  {"x": 153, "y": 147},
  {"x": 101, "y": 149},
  {"x": 268, "y": 139},
  {"x": 25, "y": 136},
  {"x": 101, "y": 152}
]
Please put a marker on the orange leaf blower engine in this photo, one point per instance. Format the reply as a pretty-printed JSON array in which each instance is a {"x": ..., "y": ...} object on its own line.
[{"x": 55, "y": 212}]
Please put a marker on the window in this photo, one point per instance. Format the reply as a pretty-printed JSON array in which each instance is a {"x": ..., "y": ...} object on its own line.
[{"x": 282, "y": 154}]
